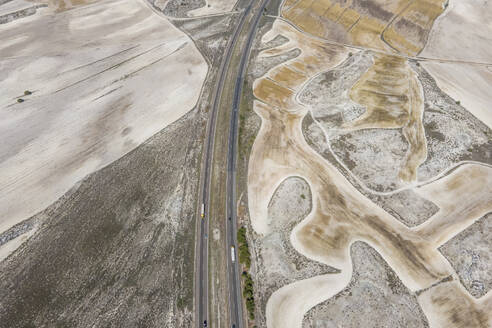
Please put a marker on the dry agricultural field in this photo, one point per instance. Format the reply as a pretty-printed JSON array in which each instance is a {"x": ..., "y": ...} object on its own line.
[{"x": 378, "y": 111}]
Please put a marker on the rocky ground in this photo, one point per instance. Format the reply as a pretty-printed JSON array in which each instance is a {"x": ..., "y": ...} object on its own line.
[
  {"x": 71, "y": 107},
  {"x": 276, "y": 263},
  {"x": 117, "y": 250},
  {"x": 370, "y": 158},
  {"x": 374, "y": 298},
  {"x": 374, "y": 156},
  {"x": 469, "y": 254}
]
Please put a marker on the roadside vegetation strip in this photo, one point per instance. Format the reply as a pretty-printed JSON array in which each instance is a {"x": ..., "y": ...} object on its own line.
[
  {"x": 248, "y": 293},
  {"x": 245, "y": 260}
]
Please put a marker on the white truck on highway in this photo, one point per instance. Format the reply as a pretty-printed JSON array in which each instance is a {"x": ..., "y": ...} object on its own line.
[
  {"x": 233, "y": 254},
  {"x": 203, "y": 211}
]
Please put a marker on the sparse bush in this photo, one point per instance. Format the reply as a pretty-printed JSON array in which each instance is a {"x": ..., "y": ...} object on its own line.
[
  {"x": 244, "y": 255},
  {"x": 20, "y": 100},
  {"x": 180, "y": 303},
  {"x": 303, "y": 196},
  {"x": 27, "y": 93},
  {"x": 250, "y": 305},
  {"x": 241, "y": 236},
  {"x": 458, "y": 102},
  {"x": 245, "y": 259},
  {"x": 249, "y": 295}
]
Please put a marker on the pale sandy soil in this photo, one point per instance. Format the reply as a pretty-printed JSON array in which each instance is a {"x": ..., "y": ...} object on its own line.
[
  {"x": 463, "y": 197},
  {"x": 468, "y": 84},
  {"x": 287, "y": 306},
  {"x": 7, "y": 248},
  {"x": 398, "y": 26},
  {"x": 340, "y": 213},
  {"x": 13, "y": 6},
  {"x": 469, "y": 254},
  {"x": 374, "y": 298},
  {"x": 449, "y": 305},
  {"x": 115, "y": 250},
  {"x": 393, "y": 98},
  {"x": 213, "y": 7},
  {"x": 104, "y": 77},
  {"x": 389, "y": 90},
  {"x": 464, "y": 33}
]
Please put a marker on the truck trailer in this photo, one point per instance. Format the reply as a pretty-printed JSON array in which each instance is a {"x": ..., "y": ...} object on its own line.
[{"x": 233, "y": 254}]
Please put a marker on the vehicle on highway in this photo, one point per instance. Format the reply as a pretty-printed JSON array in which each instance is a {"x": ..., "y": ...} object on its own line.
[
  {"x": 203, "y": 211},
  {"x": 205, "y": 323},
  {"x": 233, "y": 254}
]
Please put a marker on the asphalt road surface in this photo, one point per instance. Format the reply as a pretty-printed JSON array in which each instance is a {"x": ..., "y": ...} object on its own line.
[
  {"x": 234, "y": 275},
  {"x": 201, "y": 261},
  {"x": 201, "y": 251}
]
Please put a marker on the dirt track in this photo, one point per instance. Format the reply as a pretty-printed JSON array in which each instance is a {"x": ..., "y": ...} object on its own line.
[
  {"x": 341, "y": 214},
  {"x": 92, "y": 71}
]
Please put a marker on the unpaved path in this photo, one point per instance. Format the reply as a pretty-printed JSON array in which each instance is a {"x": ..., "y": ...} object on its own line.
[
  {"x": 213, "y": 7},
  {"x": 104, "y": 78},
  {"x": 463, "y": 32},
  {"x": 341, "y": 215}
]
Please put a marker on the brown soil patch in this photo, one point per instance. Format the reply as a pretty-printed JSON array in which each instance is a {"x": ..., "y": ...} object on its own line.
[{"x": 401, "y": 26}]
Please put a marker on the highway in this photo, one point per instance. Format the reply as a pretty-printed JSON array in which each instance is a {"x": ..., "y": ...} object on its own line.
[
  {"x": 234, "y": 274},
  {"x": 201, "y": 251}
]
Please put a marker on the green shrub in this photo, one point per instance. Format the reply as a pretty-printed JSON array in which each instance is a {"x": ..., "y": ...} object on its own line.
[
  {"x": 181, "y": 303},
  {"x": 241, "y": 235},
  {"x": 248, "y": 293}
]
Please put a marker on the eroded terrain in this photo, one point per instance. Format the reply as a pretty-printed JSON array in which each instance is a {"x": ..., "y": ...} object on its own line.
[
  {"x": 115, "y": 251},
  {"x": 390, "y": 159},
  {"x": 91, "y": 99},
  {"x": 104, "y": 107}
]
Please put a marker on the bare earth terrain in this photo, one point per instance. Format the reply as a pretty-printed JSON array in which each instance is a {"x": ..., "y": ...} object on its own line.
[
  {"x": 89, "y": 70},
  {"x": 382, "y": 111},
  {"x": 364, "y": 163},
  {"x": 104, "y": 106},
  {"x": 117, "y": 250}
]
